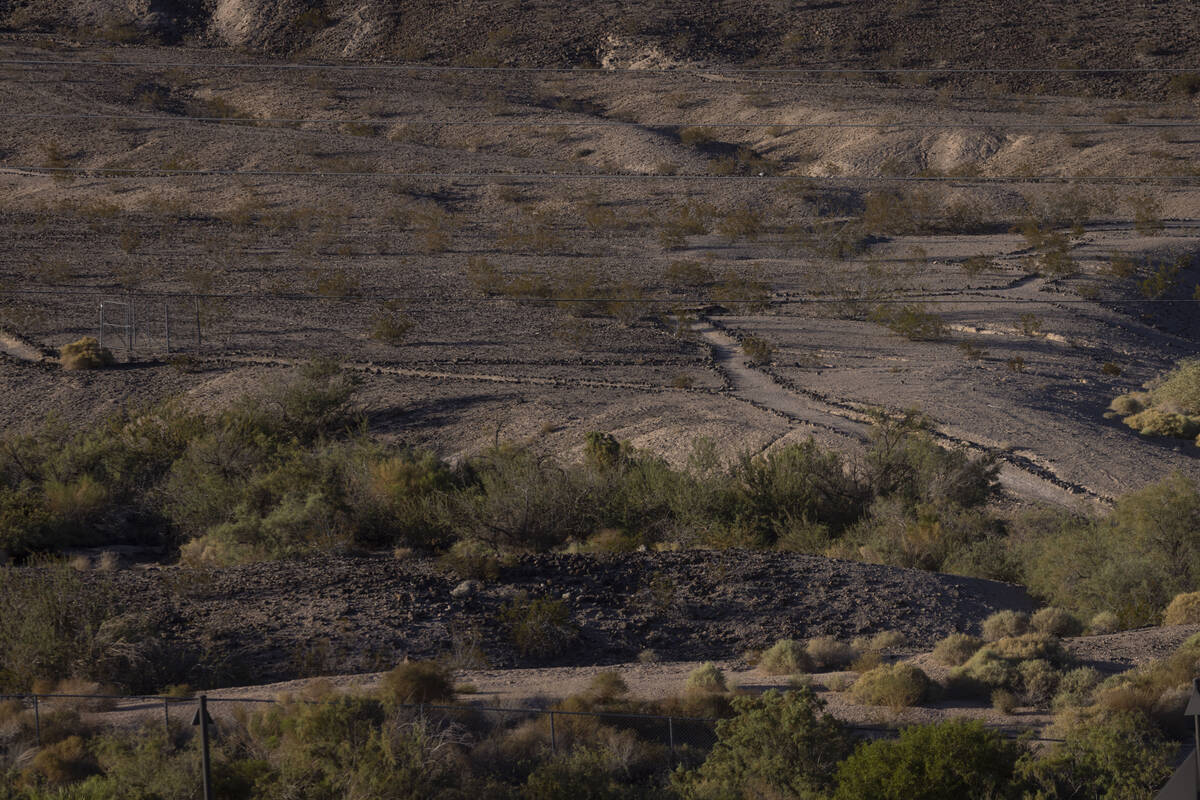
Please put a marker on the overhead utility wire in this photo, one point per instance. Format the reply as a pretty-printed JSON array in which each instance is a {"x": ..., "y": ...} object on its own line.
[
  {"x": 138, "y": 172},
  {"x": 411, "y": 67},
  {"x": 700, "y": 301},
  {"x": 597, "y": 123}
]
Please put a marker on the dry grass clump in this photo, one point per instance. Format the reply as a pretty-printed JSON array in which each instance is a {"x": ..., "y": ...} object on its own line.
[
  {"x": 1055, "y": 622},
  {"x": 828, "y": 653},
  {"x": 1104, "y": 622},
  {"x": 896, "y": 686},
  {"x": 85, "y": 353},
  {"x": 417, "y": 682},
  {"x": 1155, "y": 422},
  {"x": 707, "y": 678},
  {"x": 1005, "y": 624},
  {"x": 956, "y": 649},
  {"x": 785, "y": 657},
  {"x": 1183, "y": 610}
]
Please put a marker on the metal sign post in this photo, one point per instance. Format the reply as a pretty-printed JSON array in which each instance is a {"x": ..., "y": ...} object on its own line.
[
  {"x": 204, "y": 720},
  {"x": 1185, "y": 783}
]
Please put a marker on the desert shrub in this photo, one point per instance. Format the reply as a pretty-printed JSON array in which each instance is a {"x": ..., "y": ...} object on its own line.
[
  {"x": 777, "y": 745},
  {"x": 417, "y": 682},
  {"x": 607, "y": 686},
  {"x": 687, "y": 274},
  {"x": 896, "y": 686},
  {"x": 1179, "y": 389},
  {"x": 1128, "y": 404},
  {"x": 956, "y": 649},
  {"x": 932, "y": 762},
  {"x": 826, "y": 652},
  {"x": 50, "y": 624},
  {"x": 1004, "y": 624},
  {"x": 1039, "y": 681},
  {"x": 390, "y": 324},
  {"x": 1118, "y": 755},
  {"x": 707, "y": 677},
  {"x": 539, "y": 627},
  {"x": 785, "y": 657},
  {"x": 757, "y": 349},
  {"x": 912, "y": 321},
  {"x": 60, "y": 763},
  {"x": 472, "y": 560},
  {"x": 85, "y": 353},
  {"x": 1103, "y": 623},
  {"x": 589, "y": 773},
  {"x": 1131, "y": 562},
  {"x": 998, "y": 664},
  {"x": 1184, "y": 609},
  {"x": 1055, "y": 622},
  {"x": 1004, "y": 701},
  {"x": 1155, "y": 422},
  {"x": 1075, "y": 688},
  {"x": 522, "y": 500},
  {"x": 887, "y": 640}
]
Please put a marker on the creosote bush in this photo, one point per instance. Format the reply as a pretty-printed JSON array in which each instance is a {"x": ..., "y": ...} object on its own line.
[
  {"x": 1184, "y": 609},
  {"x": 827, "y": 653},
  {"x": 956, "y": 649},
  {"x": 1055, "y": 622},
  {"x": 707, "y": 677},
  {"x": 540, "y": 627},
  {"x": 896, "y": 686},
  {"x": 1004, "y": 624},
  {"x": 785, "y": 657}
]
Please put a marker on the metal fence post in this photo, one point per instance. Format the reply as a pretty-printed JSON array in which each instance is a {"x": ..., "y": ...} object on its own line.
[
  {"x": 37, "y": 720},
  {"x": 553, "y": 738},
  {"x": 671, "y": 733},
  {"x": 166, "y": 718},
  {"x": 205, "y": 763}
]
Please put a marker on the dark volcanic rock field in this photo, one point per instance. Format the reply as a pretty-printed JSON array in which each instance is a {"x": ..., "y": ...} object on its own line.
[{"x": 279, "y": 620}]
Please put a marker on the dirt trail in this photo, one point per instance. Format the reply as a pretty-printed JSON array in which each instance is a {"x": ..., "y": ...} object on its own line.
[
  {"x": 17, "y": 348},
  {"x": 1019, "y": 474}
]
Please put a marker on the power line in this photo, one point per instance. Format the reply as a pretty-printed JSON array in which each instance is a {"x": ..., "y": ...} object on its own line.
[
  {"x": 245, "y": 121},
  {"x": 135, "y": 172},
  {"x": 686, "y": 301},
  {"x": 413, "y": 67}
]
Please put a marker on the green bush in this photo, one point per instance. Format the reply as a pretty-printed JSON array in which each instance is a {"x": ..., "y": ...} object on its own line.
[
  {"x": 1119, "y": 755},
  {"x": 777, "y": 745},
  {"x": 1102, "y": 623},
  {"x": 1131, "y": 562},
  {"x": 1055, "y": 621},
  {"x": 896, "y": 686},
  {"x": 707, "y": 677},
  {"x": 785, "y": 657},
  {"x": 1004, "y": 624},
  {"x": 946, "y": 761},
  {"x": 540, "y": 627},
  {"x": 1155, "y": 422},
  {"x": 826, "y": 652},
  {"x": 956, "y": 649},
  {"x": 50, "y": 625},
  {"x": 1184, "y": 609},
  {"x": 1075, "y": 688}
]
